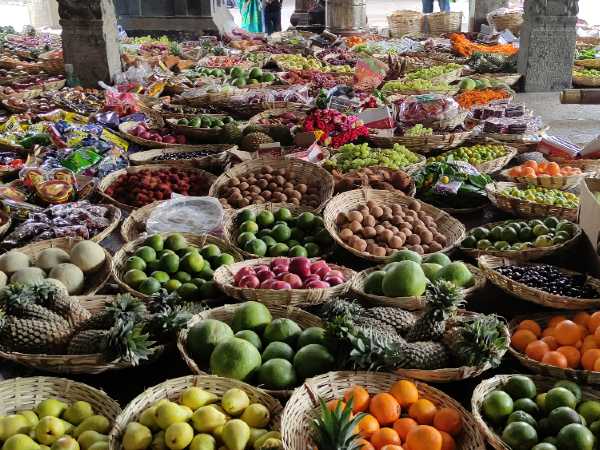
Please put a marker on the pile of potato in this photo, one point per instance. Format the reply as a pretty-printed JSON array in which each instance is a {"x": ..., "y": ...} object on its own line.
[
  {"x": 382, "y": 230},
  {"x": 372, "y": 177}
]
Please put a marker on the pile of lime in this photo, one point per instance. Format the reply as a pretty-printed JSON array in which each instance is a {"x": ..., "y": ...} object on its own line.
[
  {"x": 239, "y": 77},
  {"x": 517, "y": 235},
  {"x": 474, "y": 155},
  {"x": 558, "y": 419},
  {"x": 543, "y": 196},
  {"x": 255, "y": 347},
  {"x": 280, "y": 233},
  {"x": 171, "y": 263},
  {"x": 205, "y": 121}
]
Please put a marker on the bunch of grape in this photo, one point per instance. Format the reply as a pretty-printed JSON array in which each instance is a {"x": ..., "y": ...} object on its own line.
[
  {"x": 430, "y": 73},
  {"x": 394, "y": 86},
  {"x": 418, "y": 130},
  {"x": 352, "y": 157}
]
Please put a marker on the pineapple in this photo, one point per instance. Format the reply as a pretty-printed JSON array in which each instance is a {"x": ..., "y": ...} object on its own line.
[
  {"x": 335, "y": 430},
  {"x": 32, "y": 336},
  {"x": 443, "y": 300},
  {"x": 88, "y": 342},
  {"x": 48, "y": 294},
  {"x": 341, "y": 307},
  {"x": 124, "y": 307},
  {"x": 165, "y": 325},
  {"x": 18, "y": 302},
  {"x": 399, "y": 319},
  {"x": 126, "y": 341},
  {"x": 418, "y": 355}
]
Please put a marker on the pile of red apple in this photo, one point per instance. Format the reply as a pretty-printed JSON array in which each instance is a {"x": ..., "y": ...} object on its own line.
[
  {"x": 289, "y": 273},
  {"x": 157, "y": 135}
]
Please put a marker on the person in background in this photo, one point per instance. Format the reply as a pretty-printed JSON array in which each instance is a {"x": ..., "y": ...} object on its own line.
[
  {"x": 428, "y": 6},
  {"x": 272, "y": 16},
  {"x": 251, "y": 11}
]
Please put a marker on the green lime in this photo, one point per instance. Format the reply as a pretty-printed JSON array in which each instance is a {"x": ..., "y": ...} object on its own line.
[
  {"x": 501, "y": 245},
  {"x": 520, "y": 386},
  {"x": 306, "y": 220},
  {"x": 156, "y": 242},
  {"x": 480, "y": 233},
  {"x": 135, "y": 262},
  {"x": 519, "y": 436},
  {"x": 149, "y": 286},
  {"x": 281, "y": 233},
  {"x": 562, "y": 416},
  {"x": 244, "y": 238},
  {"x": 247, "y": 215},
  {"x": 175, "y": 242},
  {"x": 188, "y": 291},
  {"x": 161, "y": 276},
  {"x": 256, "y": 247},
  {"x": 146, "y": 253},
  {"x": 210, "y": 251},
  {"x": 184, "y": 277},
  {"x": 469, "y": 242},
  {"x": 264, "y": 232},
  {"x": 134, "y": 277},
  {"x": 521, "y": 416},
  {"x": 225, "y": 259},
  {"x": 497, "y": 405},
  {"x": 278, "y": 349},
  {"x": 590, "y": 410},
  {"x": 495, "y": 234},
  {"x": 206, "y": 273},
  {"x": 208, "y": 290},
  {"x": 169, "y": 263},
  {"x": 277, "y": 373},
  {"x": 199, "y": 281},
  {"x": 172, "y": 285},
  {"x": 152, "y": 266},
  {"x": 527, "y": 405},
  {"x": 559, "y": 396},
  {"x": 268, "y": 240},
  {"x": 250, "y": 336},
  {"x": 573, "y": 387},
  {"x": 298, "y": 250},
  {"x": 249, "y": 227},
  {"x": 278, "y": 250},
  {"x": 265, "y": 218},
  {"x": 283, "y": 214},
  {"x": 255, "y": 73},
  {"x": 297, "y": 234},
  {"x": 551, "y": 222},
  {"x": 575, "y": 437},
  {"x": 312, "y": 249},
  {"x": 544, "y": 446},
  {"x": 323, "y": 238},
  {"x": 510, "y": 235},
  {"x": 291, "y": 243},
  {"x": 192, "y": 262},
  {"x": 484, "y": 244},
  {"x": 540, "y": 230},
  {"x": 595, "y": 428},
  {"x": 526, "y": 234},
  {"x": 311, "y": 335}
]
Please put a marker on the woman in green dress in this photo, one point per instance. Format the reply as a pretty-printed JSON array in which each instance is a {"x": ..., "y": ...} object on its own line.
[{"x": 251, "y": 11}]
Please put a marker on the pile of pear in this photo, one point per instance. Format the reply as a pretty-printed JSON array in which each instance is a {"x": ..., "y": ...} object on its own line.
[
  {"x": 200, "y": 420},
  {"x": 55, "y": 425}
]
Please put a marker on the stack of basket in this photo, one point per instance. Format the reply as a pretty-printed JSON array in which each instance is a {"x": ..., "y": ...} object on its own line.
[
  {"x": 444, "y": 22},
  {"x": 405, "y": 22},
  {"x": 509, "y": 20}
]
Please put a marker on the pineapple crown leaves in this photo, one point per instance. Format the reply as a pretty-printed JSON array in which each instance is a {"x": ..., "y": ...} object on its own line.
[
  {"x": 14, "y": 295},
  {"x": 335, "y": 430},
  {"x": 165, "y": 325},
  {"x": 341, "y": 307},
  {"x": 126, "y": 307},
  {"x": 45, "y": 293},
  {"x": 481, "y": 340},
  {"x": 443, "y": 299},
  {"x": 128, "y": 342}
]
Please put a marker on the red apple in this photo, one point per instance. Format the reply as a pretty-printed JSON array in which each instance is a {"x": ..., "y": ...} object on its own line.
[
  {"x": 300, "y": 266},
  {"x": 267, "y": 284},
  {"x": 323, "y": 271},
  {"x": 170, "y": 140},
  {"x": 265, "y": 274},
  {"x": 181, "y": 139},
  {"x": 261, "y": 267},
  {"x": 244, "y": 271},
  {"x": 334, "y": 274},
  {"x": 280, "y": 286},
  {"x": 250, "y": 281},
  {"x": 293, "y": 280},
  {"x": 280, "y": 268},
  {"x": 317, "y": 285},
  {"x": 334, "y": 281},
  {"x": 318, "y": 265},
  {"x": 313, "y": 277},
  {"x": 280, "y": 261}
]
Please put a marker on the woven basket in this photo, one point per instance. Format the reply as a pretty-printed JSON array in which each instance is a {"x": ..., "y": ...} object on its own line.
[
  {"x": 135, "y": 223},
  {"x": 410, "y": 169},
  {"x": 450, "y": 227},
  {"x": 489, "y": 264},
  {"x": 213, "y": 159},
  {"x": 54, "y": 85},
  {"x": 588, "y": 63},
  {"x": 577, "y": 375},
  {"x": 524, "y": 208},
  {"x": 108, "y": 180},
  {"x": 510, "y": 79},
  {"x": 408, "y": 303},
  {"x": 423, "y": 145},
  {"x": 301, "y": 171},
  {"x": 20, "y": 394},
  {"x": 528, "y": 254},
  {"x": 405, "y": 22},
  {"x": 579, "y": 80},
  {"x": 77, "y": 364},
  {"x": 231, "y": 224},
  {"x": 198, "y": 240},
  {"x": 172, "y": 389},
  {"x": 444, "y": 22},
  {"x": 225, "y": 314},
  {"x": 303, "y": 406},
  {"x": 223, "y": 277},
  {"x": 497, "y": 382},
  {"x": 23, "y": 95},
  {"x": 249, "y": 110},
  {"x": 510, "y": 21},
  {"x": 273, "y": 112},
  {"x": 553, "y": 181},
  {"x": 126, "y": 127},
  {"x": 93, "y": 281},
  {"x": 497, "y": 164},
  {"x": 197, "y": 133}
]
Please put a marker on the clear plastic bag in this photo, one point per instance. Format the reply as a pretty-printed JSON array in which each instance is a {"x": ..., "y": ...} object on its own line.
[
  {"x": 198, "y": 215},
  {"x": 426, "y": 109}
]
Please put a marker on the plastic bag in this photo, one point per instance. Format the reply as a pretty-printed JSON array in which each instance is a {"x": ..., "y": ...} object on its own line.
[
  {"x": 198, "y": 215},
  {"x": 369, "y": 73},
  {"x": 123, "y": 103},
  {"x": 426, "y": 109}
]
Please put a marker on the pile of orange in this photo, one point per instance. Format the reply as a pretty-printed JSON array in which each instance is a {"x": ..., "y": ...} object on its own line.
[
  {"x": 531, "y": 169},
  {"x": 400, "y": 420},
  {"x": 567, "y": 343}
]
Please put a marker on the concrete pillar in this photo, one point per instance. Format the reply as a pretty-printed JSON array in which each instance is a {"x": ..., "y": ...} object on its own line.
[
  {"x": 547, "y": 46},
  {"x": 479, "y": 9},
  {"x": 300, "y": 15},
  {"x": 90, "y": 39}
]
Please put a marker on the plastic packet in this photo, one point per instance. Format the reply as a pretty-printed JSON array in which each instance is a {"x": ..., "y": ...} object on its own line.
[
  {"x": 81, "y": 159},
  {"x": 369, "y": 73},
  {"x": 123, "y": 104},
  {"x": 199, "y": 215},
  {"x": 426, "y": 109}
]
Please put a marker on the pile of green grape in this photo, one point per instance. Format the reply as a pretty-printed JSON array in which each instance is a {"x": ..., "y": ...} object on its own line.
[
  {"x": 543, "y": 196},
  {"x": 418, "y": 130},
  {"x": 430, "y": 73},
  {"x": 394, "y": 86},
  {"x": 590, "y": 73},
  {"x": 474, "y": 155},
  {"x": 352, "y": 157}
]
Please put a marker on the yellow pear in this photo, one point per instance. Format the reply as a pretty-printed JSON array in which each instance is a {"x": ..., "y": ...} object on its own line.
[
  {"x": 50, "y": 407},
  {"x": 78, "y": 412},
  {"x": 13, "y": 424},
  {"x": 188, "y": 411},
  {"x": 169, "y": 413},
  {"x": 272, "y": 444},
  {"x": 100, "y": 445},
  {"x": 217, "y": 432},
  {"x": 44, "y": 447},
  {"x": 179, "y": 435},
  {"x": 31, "y": 417},
  {"x": 69, "y": 427},
  {"x": 147, "y": 418},
  {"x": 260, "y": 441},
  {"x": 20, "y": 441},
  {"x": 94, "y": 423},
  {"x": 136, "y": 437},
  {"x": 207, "y": 418},
  {"x": 65, "y": 443},
  {"x": 195, "y": 397},
  {"x": 203, "y": 442},
  {"x": 49, "y": 429},
  {"x": 236, "y": 434},
  {"x": 158, "y": 442},
  {"x": 235, "y": 401},
  {"x": 256, "y": 415},
  {"x": 255, "y": 433},
  {"x": 89, "y": 438},
  {"x": 160, "y": 402}
]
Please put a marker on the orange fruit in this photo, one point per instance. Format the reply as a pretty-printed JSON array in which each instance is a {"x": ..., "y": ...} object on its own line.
[
  {"x": 405, "y": 392},
  {"x": 578, "y": 344},
  {"x": 549, "y": 332},
  {"x": 424, "y": 437},
  {"x": 542, "y": 167},
  {"x": 403, "y": 426},
  {"x": 596, "y": 367},
  {"x": 521, "y": 338},
  {"x": 530, "y": 163},
  {"x": 383, "y": 437},
  {"x": 589, "y": 358},
  {"x": 596, "y": 334},
  {"x": 555, "y": 320},
  {"x": 555, "y": 359},
  {"x": 385, "y": 408},
  {"x": 392, "y": 447},
  {"x": 572, "y": 354},
  {"x": 581, "y": 318},
  {"x": 447, "y": 441},
  {"x": 551, "y": 342},
  {"x": 553, "y": 169},
  {"x": 332, "y": 404},
  {"x": 528, "y": 172},
  {"x": 423, "y": 411},
  {"x": 568, "y": 332},
  {"x": 536, "y": 350},
  {"x": 448, "y": 420},
  {"x": 516, "y": 171},
  {"x": 363, "y": 444},
  {"x": 360, "y": 398},
  {"x": 367, "y": 426},
  {"x": 594, "y": 322},
  {"x": 530, "y": 325}
]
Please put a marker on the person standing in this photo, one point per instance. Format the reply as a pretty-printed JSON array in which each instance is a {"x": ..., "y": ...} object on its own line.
[
  {"x": 428, "y": 6},
  {"x": 251, "y": 11},
  {"x": 272, "y": 16}
]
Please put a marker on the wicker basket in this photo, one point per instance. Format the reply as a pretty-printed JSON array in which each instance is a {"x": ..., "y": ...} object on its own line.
[
  {"x": 196, "y": 133},
  {"x": 273, "y": 112},
  {"x": 577, "y": 375},
  {"x": 223, "y": 277},
  {"x": 93, "y": 281},
  {"x": 408, "y": 303},
  {"x": 225, "y": 314},
  {"x": 451, "y": 228},
  {"x": 300, "y": 171},
  {"x": 118, "y": 268},
  {"x": 214, "y": 159},
  {"x": 497, "y": 164},
  {"x": 77, "y": 364},
  {"x": 126, "y": 127},
  {"x": 135, "y": 223},
  {"x": 588, "y": 63},
  {"x": 303, "y": 406},
  {"x": 424, "y": 145},
  {"x": 524, "y": 208},
  {"x": 528, "y": 254},
  {"x": 489, "y": 264},
  {"x": 54, "y": 85},
  {"x": 22, "y": 394},
  {"x": 510, "y": 21},
  {"x": 108, "y": 180},
  {"x": 248, "y": 110},
  {"x": 23, "y": 95},
  {"x": 410, "y": 169},
  {"x": 444, "y": 22},
  {"x": 555, "y": 181},
  {"x": 579, "y": 80},
  {"x": 497, "y": 382},
  {"x": 510, "y": 79},
  {"x": 172, "y": 389},
  {"x": 405, "y": 22}
]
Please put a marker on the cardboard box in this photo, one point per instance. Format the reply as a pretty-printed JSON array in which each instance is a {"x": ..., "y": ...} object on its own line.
[{"x": 589, "y": 212}]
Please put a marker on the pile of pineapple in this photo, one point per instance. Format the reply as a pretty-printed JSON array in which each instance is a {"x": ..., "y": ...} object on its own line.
[
  {"x": 55, "y": 425},
  {"x": 41, "y": 318},
  {"x": 388, "y": 338},
  {"x": 200, "y": 420}
]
